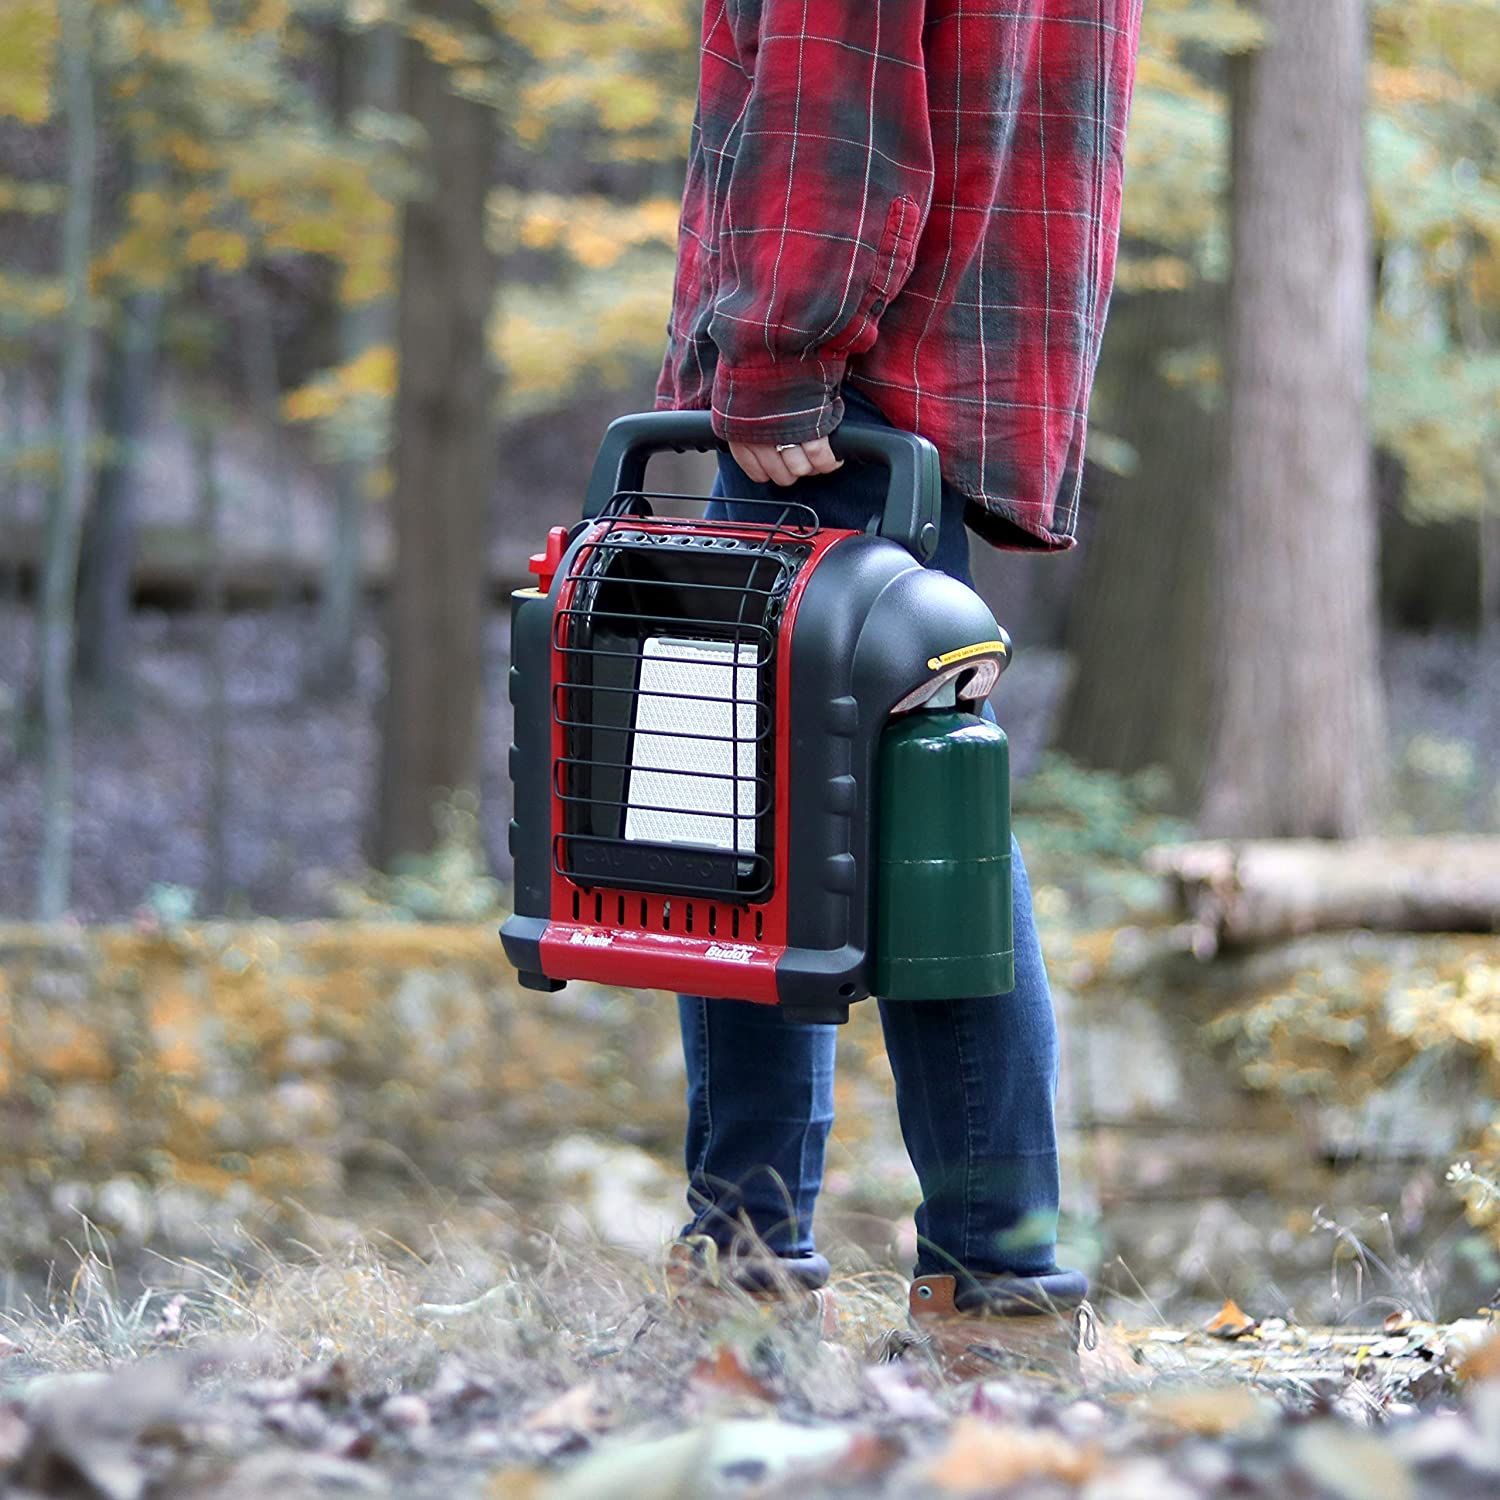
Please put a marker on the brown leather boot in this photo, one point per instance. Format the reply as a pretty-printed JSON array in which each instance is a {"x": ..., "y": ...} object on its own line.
[
  {"x": 1017, "y": 1328},
  {"x": 709, "y": 1282}
]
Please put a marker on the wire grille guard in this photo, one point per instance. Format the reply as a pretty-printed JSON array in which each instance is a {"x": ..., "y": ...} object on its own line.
[{"x": 665, "y": 694}]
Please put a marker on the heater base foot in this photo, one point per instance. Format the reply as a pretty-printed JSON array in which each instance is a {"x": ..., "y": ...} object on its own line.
[
  {"x": 816, "y": 1015},
  {"x": 539, "y": 982}
]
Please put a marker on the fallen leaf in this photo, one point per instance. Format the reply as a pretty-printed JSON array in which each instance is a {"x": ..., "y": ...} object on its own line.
[
  {"x": 900, "y": 1397},
  {"x": 515, "y": 1483},
  {"x": 299, "y": 1474},
  {"x": 1210, "y": 1411},
  {"x": 980, "y": 1457},
  {"x": 670, "y": 1467},
  {"x": 406, "y": 1413},
  {"x": 304, "y": 1422},
  {"x": 581, "y": 1408},
  {"x": 456, "y": 1386},
  {"x": 765, "y": 1450},
  {"x": 1479, "y": 1361},
  {"x": 1399, "y": 1321},
  {"x": 868, "y": 1456},
  {"x": 1230, "y": 1322},
  {"x": 1447, "y": 1438},
  {"x": 347, "y": 1440},
  {"x": 12, "y": 1435},
  {"x": 689, "y": 1464},
  {"x": 1351, "y": 1464},
  {"x": 1140, "y": 1477},
  {"x": 93, "y": 1426},
  {"x": 726, "y": 1372},
  {"x": 326, "y": 1383},
  {"x": 1006, "y": 1403}
]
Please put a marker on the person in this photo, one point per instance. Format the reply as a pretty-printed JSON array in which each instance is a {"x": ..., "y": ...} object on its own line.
[{"x": 901, "y": 212}]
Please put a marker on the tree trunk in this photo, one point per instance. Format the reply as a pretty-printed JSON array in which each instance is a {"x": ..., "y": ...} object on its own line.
[
  {"x": 262, "y": 369},
  {"x": 109, "y": 553},
  {"x": 375, "y": 68},
  {"x": 60, "y": 563},
  {"x": 1297, "y": 736},
  {"x": 103, "y": 660},
  {"x": 444, "y": 463},
  {"x": 1489, "y": 573},
  {"x": 1268, "y": 889},
  {"x": 1138, "y": 628},
  {"x": 13, "y": 416},
  {"x": 215, "y": 664}
]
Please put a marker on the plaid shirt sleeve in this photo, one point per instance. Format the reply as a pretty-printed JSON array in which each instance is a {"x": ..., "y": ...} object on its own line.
[
  {"x": 830, "y": 180},
  {"x": 947, "y": 172}
]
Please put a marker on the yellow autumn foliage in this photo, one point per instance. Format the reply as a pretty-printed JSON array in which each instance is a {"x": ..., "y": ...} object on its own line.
[
  {"x": 30, "y": 298},
  {"x": 446, "y": 45},
  {"x": 221, "y": 248},
  {"x": 601, "y": 329},
  {"x": 266, "y": 17},
  {"x": 1341, "y": 1036},
  {"x": 592, "y": 229},
  {"x": 370, "y": 374},
  {"x": 28, "y": 41},
  {"x": 31, "y": 199},
  {"x": 188, "y": 152}
]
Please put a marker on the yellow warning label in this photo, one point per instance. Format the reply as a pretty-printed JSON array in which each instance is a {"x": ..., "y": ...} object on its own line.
[{"x": 984, "y": 648}]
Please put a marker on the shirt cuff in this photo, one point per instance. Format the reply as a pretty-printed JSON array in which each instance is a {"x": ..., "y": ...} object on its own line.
[{"x": 785, "y": 401}]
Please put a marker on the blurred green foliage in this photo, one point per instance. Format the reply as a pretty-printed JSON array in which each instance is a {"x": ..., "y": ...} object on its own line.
[
  {"x": 452, "y": 884},
  {"x": 1084, "y": 833},
  {"x": 1068, "y": 809}
]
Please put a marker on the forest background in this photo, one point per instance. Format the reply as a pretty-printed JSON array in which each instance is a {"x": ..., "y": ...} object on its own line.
[
  {"x": 311, "y": 317},
  {"x": 312, "y": 314}
]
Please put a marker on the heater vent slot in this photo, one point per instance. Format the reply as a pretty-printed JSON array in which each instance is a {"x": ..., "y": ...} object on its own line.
[
  {"x": 666, "y": 694},
  {"x": 697, "y": 918}
]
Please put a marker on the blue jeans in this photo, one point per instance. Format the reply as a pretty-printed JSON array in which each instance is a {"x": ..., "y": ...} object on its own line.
[{"x": 975, "y": 1079}]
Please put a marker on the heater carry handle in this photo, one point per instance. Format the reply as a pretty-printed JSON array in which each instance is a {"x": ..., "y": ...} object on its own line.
[
  {"x": 912, "y": 501},
  {"x": 913, "y": 498}
]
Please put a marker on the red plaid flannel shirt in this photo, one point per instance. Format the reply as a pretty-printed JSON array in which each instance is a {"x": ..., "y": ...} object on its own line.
[{"x": 921, "y": 197}]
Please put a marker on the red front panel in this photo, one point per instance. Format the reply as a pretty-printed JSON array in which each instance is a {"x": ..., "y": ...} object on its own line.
[
  {"x": 659, "y": 961},
  {"x": 694, "y": 946}
]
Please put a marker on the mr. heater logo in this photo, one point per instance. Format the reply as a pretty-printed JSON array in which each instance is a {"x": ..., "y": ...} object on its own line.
[
  {"x": 731, "y": 952},
  {"x": 592, "y": 939}
]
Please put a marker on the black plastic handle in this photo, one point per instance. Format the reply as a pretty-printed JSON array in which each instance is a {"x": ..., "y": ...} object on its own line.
[
  {"x": 914, "y": 495},
  {"x": 630, "y": 440},
  {"x": 913, "y": 498}
]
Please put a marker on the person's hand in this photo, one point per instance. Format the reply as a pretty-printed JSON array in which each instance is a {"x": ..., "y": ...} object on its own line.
[{"x": 765, "y": 462}]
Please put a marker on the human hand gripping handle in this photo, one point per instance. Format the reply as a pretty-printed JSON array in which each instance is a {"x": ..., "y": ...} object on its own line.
[
  {"x": 913, "y": 500},
  {"x": 785, "y": 463}
]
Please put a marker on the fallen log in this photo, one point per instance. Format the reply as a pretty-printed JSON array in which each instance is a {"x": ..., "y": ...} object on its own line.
[{"x": 1237, "y": 893}]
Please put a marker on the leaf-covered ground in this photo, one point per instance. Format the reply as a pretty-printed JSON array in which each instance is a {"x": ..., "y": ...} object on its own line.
[{"x": 570, "y": 1373}]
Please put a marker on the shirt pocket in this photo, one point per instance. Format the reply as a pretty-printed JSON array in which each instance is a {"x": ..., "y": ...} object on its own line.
[{"x": 884, "y": 274}]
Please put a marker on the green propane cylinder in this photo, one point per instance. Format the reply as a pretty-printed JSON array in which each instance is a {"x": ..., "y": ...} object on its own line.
[{"x": 943, "y": 886}]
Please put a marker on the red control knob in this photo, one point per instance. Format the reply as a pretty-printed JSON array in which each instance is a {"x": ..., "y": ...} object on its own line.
[{"x": 545, "y": 564}]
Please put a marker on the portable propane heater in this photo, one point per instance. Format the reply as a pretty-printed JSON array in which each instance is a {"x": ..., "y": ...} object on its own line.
[{"x": 747, "y": 760}]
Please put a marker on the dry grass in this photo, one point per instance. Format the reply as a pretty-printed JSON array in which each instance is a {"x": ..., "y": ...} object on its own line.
[{"x": 515, "y": 1362}]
